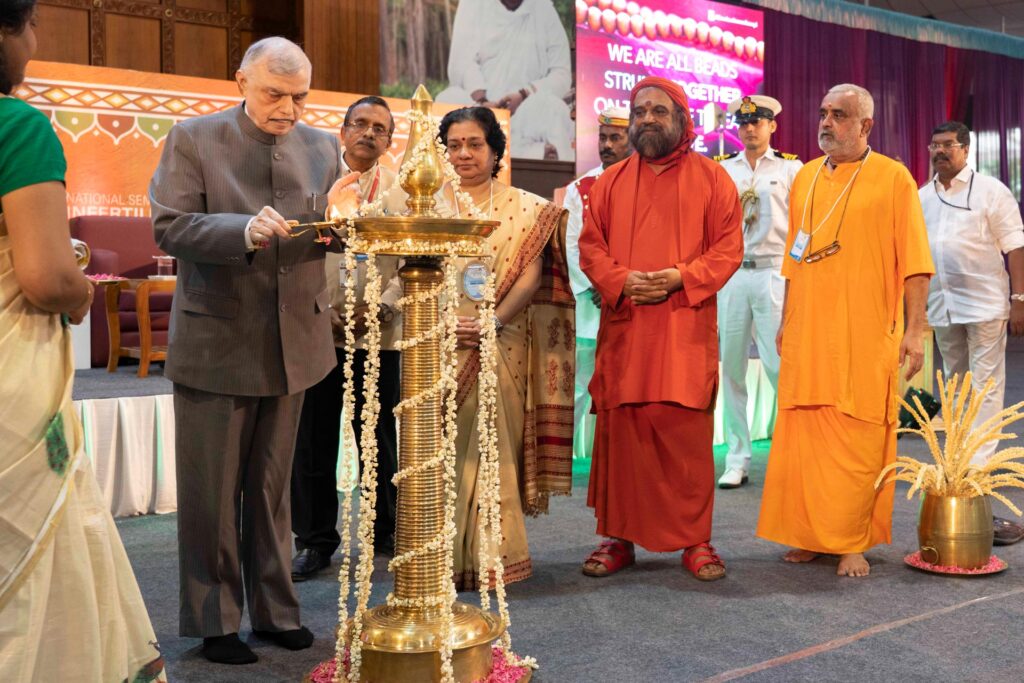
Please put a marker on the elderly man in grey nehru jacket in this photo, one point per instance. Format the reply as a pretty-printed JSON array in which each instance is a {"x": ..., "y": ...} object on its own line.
[{"x": 250, "y": 331}]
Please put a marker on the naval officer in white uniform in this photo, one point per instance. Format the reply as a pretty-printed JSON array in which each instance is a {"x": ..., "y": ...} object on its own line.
[{"x": 750, "y": 304}]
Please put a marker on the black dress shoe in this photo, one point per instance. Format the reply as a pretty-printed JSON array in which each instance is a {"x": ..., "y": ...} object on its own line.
[
  {"x": 308, "y": 562},
  {"x": 227, "y": 649},
  {"x": 296, "y": 639},
  {"x": 1006, "y": 532}
]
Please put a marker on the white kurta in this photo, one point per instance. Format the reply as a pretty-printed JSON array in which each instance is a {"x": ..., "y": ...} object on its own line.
[
  {"x": 501, "y": 51},
  {"x": 374, "y": 183},
  {"x": 587, "y": 314},
  {"x": 970, "y": 227},
  {"x": 750, "y": 304},
  {"x": 588, "y": 317},
  {"x": 971, "y": 283}
]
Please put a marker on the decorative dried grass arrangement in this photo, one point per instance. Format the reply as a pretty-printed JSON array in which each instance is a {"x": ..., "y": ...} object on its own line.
[{"x": 951, "y": 473}]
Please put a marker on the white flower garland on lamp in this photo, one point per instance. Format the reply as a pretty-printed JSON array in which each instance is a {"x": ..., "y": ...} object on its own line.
[
  {"x": 368, "y": 451},
  {"x": 348, "y": 466}
]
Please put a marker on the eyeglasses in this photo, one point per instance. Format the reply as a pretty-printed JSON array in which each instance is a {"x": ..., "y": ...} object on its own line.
[
  {"x": 376, "y": 130},
  {"x": 944, "y": 146},
  {"x": 822, "y": 253}
]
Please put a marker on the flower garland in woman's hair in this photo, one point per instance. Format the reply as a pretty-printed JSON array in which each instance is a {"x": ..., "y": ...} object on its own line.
[
  {"x": 489, "y": 477},
  {"x": 348, "y": 467},
  {"x": 368, "y": 451}
]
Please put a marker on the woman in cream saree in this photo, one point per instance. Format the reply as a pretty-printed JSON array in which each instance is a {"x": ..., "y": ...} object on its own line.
[
  {"x": 70, "y": 609},
  {"x": 536, "y": 343}
]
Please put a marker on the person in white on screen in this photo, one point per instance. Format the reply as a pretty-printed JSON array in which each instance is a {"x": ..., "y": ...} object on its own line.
[
  {"x": 514, "y": 54},
  {"x": 972, "y": 221},
  {"x": 751, "y": 301}
]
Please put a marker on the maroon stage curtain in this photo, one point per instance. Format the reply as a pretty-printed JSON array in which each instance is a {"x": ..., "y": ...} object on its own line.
[
  {"x": 916, "y": 86},
  {"x": 997, "y": 112}
]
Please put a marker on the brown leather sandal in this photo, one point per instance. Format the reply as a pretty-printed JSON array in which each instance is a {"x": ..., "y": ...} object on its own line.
[{"x": 611, "y": 556}]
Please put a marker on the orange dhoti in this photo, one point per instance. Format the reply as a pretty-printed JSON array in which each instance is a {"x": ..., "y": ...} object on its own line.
[
  {"x": 652, "y": 475},
  {"x": 819, "y": 491}
]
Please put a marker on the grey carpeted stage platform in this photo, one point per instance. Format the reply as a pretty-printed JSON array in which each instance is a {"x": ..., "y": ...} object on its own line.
[{"x": 767, "y": 621}]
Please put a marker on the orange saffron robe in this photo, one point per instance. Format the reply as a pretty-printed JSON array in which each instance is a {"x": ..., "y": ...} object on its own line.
[
  {"x": 842, "y": 329},
  {"x": 653, "y": 481}
]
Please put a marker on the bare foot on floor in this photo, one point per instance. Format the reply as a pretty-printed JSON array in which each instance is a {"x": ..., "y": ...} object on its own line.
[
  {"x": 853, "y": 564},
  {"x": 798, "y": 555}
]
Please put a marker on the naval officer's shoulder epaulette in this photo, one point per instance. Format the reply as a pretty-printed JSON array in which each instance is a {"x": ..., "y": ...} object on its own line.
[
  {"x": 723, "y": 157},
  {"x": 788, "y": 156}
]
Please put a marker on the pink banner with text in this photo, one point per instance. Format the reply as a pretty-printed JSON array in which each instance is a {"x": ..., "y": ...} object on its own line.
[{"x": 715, "y": 51}]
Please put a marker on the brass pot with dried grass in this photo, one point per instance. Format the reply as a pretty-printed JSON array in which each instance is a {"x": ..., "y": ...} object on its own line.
[{"x": 955, "y": 522}]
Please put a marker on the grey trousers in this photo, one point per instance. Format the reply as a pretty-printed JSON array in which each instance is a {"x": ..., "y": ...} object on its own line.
[{"x": 234, "y": 463}]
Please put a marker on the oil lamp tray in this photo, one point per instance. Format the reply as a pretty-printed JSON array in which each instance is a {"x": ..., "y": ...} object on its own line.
[{"x": 423, "y": 236}]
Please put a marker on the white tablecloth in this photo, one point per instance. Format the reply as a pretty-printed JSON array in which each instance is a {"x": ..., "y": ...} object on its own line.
[{"x": 130, "y": 441}]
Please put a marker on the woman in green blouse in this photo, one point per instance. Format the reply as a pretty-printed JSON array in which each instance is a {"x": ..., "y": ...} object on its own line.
[{"x": 70, "y": 608}]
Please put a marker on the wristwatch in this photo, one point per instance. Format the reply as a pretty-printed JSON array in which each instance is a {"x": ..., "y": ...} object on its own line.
[
  {"x": 498, "y": 324},
  {"x": 1017, "y": 297},
  {"x": 385, "y": 314}
]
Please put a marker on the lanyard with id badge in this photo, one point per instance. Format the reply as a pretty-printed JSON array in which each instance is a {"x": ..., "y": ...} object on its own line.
[
  {"x": 474, "y": 279},
  {"x": 803, "y": 237}
]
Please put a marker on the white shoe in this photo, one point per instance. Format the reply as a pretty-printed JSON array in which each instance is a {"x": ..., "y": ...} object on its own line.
[{"x": 733, "y": 478}]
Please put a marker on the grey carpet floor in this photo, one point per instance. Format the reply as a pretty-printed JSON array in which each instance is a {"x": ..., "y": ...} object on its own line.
[
  {"x": 767, "y": 621},
  {"x": 97, "y": 383},
  {"x": 655, "y": 623}
]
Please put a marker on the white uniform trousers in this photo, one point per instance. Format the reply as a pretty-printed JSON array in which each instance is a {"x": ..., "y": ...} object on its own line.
[
  {"x": 980, "y": 348},
  {"x": 749, "y": 305},
  {"x": 583, "y": 420}
]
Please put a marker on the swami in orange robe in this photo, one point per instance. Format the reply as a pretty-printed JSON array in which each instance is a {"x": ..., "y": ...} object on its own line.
[
  {"x": 842, "y": 328},
  {"x": 656, "y": 367}
]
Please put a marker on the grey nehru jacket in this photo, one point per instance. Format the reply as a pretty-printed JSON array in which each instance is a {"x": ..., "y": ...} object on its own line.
[{"x": 244, "y": 323}]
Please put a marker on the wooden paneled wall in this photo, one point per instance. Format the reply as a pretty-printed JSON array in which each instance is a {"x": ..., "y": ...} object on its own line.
[
  {"x": 208, "y": 37},
  {"x": 342, "y": 39}
]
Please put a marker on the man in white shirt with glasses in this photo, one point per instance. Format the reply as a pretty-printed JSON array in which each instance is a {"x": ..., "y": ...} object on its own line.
[{"x": 973, "y": 220}]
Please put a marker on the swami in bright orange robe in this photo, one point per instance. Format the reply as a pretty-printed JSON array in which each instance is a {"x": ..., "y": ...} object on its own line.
[
  {"x": 656, "y": 367},
  {"x": 842, "y": 329}
]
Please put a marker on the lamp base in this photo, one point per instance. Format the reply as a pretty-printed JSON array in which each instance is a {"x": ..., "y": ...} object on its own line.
[{"x": 402, "y": 645}]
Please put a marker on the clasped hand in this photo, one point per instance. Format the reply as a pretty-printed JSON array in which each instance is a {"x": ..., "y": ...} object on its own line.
[
  {"x": 645, "y": 289},
  {"x": 467, "y": 332}
]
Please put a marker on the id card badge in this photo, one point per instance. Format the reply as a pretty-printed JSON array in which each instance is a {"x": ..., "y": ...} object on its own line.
[
  {"x": 474, "y": 277},
  {"x": 799, "y": 246}
]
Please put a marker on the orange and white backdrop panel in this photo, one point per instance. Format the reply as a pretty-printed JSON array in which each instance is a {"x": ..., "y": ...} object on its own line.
[{"x": 112, "y": 123}]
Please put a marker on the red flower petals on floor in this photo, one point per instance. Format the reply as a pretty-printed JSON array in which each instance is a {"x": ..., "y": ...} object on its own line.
[
  {"x": 993, "y": 566},
  {"x": 503, "y": 672}
]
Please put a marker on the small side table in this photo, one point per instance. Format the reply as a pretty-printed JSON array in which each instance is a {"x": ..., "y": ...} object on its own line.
[{"x": 145, "y": 351}]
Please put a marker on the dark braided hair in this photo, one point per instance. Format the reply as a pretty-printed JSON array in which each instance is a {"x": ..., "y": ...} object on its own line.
[
  {"x": 485, "y": 118},
  {"x": 14, "y": 15}
]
